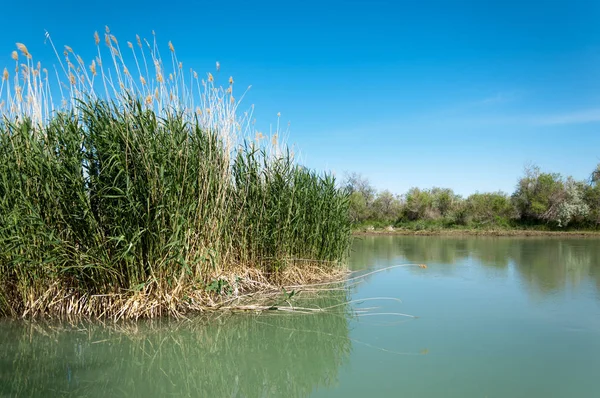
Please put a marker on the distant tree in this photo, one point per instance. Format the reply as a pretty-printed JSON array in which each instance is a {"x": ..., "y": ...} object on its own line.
[
  {"x": 358, "y": 208},
  {"x": 537, "y": 193},
  {"x": 539, "y": 197},
  {"x": 547, "y": 197},
  {"x": 362, "y": 195},
  {"x": 490, "y": 207},
  {"x": 572, "y": 206},
  {"x": 355, "y": 182},
  {"x": 386, "y": 207},
  {"x": 443, "y": 200},
  {"x": 417, "y": 204},
  {"x": 591, "y": 197},
  {"x": 595, "y": 177}
]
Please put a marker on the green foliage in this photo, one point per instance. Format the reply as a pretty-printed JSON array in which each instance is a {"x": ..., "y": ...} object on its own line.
[
  {"x": 361, "y": 197},
  {"x": 547, "y": 197},
  {"x": 111, "y": 199},
  {"x": 541, "y": 200},
  {"x": 592, "y": 199},
  {"x": 357, "y": 183},
  {"x": 386, "y": 207},
  {"x": 358, "y": 207},
  {"x": 219, "y": 286},
  {"x": 537, "y": 193},
  {"x": 444, "y": 200},
  {"x": 417, "y": 204},
  {"x": 460, "y": 213},
  {"x": 489, "y": 207},
  {"x": 429, "y": 204}
]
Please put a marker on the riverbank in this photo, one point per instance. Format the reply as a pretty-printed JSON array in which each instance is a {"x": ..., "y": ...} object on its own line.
[{"x": 475, "y": 232}]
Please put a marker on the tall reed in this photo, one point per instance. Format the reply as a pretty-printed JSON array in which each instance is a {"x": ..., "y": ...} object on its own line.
[{"x": 139, "y": 196}]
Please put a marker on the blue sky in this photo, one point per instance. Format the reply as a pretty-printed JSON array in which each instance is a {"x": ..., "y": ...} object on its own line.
[{"x": 459, "y": 94}]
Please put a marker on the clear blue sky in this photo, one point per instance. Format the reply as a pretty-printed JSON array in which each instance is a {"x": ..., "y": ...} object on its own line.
[{"x": 458, "y": 94}]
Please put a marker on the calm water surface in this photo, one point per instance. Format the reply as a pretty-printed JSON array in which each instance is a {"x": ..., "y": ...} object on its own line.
[{"x": 497, "y": 317}]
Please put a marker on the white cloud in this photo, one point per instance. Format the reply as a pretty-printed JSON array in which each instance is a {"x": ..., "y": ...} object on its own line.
[
  {"x": 499, "y": 98},
  {"x": 574, "y": 117}
]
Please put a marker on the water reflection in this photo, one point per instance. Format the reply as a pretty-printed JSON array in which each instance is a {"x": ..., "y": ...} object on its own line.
[
  {"x": 232, "y": 356},
  {"x": 546, "y": 265}
]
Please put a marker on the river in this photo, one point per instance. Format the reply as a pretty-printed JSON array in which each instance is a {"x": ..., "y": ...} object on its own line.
[{"x": 489, "y": 317}]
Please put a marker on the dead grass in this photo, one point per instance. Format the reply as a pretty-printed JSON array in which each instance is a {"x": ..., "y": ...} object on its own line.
[{"x": 242, "y": 289}]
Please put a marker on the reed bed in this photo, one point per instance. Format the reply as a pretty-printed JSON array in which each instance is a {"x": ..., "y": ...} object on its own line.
[{"x": 144, "y": 191}]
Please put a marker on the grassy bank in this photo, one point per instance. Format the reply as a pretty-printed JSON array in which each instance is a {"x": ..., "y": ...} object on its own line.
[
  {"x": 144, "y": 196},
  {"x": 435, "y": 228}
]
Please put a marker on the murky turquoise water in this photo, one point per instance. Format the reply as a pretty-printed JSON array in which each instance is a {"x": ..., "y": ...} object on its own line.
[{"x": 497, "y": 317}]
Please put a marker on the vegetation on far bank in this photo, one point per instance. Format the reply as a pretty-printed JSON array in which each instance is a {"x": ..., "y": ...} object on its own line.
[
  {"x": 146, "y": 193},
  {"x": 435, "y": 230},
  {"x": 542, "y": 202}
]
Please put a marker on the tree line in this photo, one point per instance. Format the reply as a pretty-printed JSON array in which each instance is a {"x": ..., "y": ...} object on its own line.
[{"x": 541, "y": 199}]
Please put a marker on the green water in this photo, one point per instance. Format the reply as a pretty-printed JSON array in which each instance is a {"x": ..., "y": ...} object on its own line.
[{"x": 497, "y": 317}]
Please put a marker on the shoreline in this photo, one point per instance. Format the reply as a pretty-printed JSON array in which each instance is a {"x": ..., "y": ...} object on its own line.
[
  {"x": 249, "y": 291},
  {"x": 520, "y": 233}
]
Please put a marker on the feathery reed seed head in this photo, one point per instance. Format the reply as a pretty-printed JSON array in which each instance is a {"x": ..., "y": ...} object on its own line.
[
  {"x": 223, "y": 186},
  {"x": 23, "y": 50}
]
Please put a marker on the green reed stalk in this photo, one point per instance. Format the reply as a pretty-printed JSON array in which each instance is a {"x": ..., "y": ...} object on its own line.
[{"x": 114, "y": 196}]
